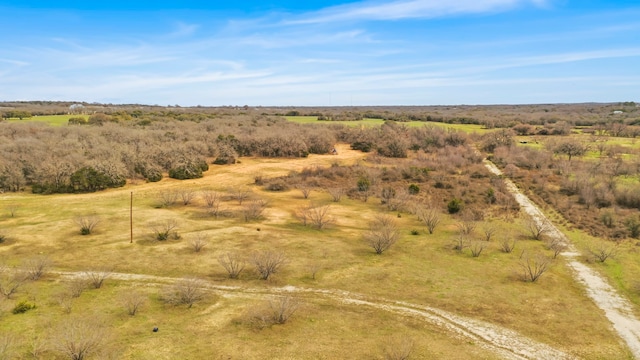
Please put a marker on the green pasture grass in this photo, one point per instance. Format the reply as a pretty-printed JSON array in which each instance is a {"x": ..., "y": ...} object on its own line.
[
  {"x": 422, "y": 269},
  {"x": 469, "y": 128},
  {"x": 53, "y": 120}
]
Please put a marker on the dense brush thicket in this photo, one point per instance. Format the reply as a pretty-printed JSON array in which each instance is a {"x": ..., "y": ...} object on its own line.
[{"x": 108, "y": 149}]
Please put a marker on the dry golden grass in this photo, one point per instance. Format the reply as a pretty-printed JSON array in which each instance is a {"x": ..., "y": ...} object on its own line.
[{"x": 421, "y": 269}]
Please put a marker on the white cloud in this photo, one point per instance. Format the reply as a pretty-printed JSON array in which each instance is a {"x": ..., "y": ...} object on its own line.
[
  {"x": 183, "y": 29},
  {"x": 408, "y": 9}
]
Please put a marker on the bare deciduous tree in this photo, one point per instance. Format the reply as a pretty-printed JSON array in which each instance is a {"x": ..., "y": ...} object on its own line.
[
  {"x": 382, "y": 234},
  {"x": 253, "y": 209},
  {"x": 186, "y": 291},
  {"x": 460, "y": 242},
  {"x": 167, "y": 198},
  {"x": 87, "y": 223},
  {"x": 277, "y": 311},
  {"x": 268, "y": 262},
  {"x": 317, "y": 216},
  {"x": 187, "y": 196},
  {"x": 477, "y": 247},
  {"x": 36, "y": 267},
  {"x": 398, "y": 348},
  {"x": 537, "y": 228},
  {"x": 602, "y": 251},
  {"x": 165, "y": 229},
  {"x": 557, "y": 246},
  {"x": 430, "y": 217},
  {"x": 336, "y": 193},
  {"x": 198, "y": 242},
  {"x": 532, "y": 267},
  {"x": 239, "y": 194},
  {"x": 507, "y": 245},
  {"x": 11, "y": 280},
  {"x": 489, "y": 230},
  {"x": 80, "y": 338},
  {"x": 313, "y": 269},
  {"x": 212, "y": 200},
  {"x": 65, "y": 300},
  {"x": 7, "y": 346},
  {"x": 283, "y": 308},
  {"x": 96, "y": 277},
  {"x": 13, "y": 209},
  {"x": 233, "y": 263},
  {"x": 305, "y": 190},
  {"x": 77, "y": 285},
  {"x": 466, "y": 226},
  {"x": 133, "y": 301}
]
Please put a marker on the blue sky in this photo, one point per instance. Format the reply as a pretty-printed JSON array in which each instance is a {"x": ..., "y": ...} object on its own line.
[{"x": 321, "y": 53}]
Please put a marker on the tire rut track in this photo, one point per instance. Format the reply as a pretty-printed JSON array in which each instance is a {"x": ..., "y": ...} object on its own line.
[{"x": 618, "y": 310}]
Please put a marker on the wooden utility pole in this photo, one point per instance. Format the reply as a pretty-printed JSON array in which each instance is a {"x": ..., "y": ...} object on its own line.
[{"x": 131, "y": 218}]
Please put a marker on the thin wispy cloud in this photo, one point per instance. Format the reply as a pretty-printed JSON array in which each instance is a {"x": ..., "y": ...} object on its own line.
[
  {"x": 359, "y": 53},
  {"x": 410, "y": 9}
]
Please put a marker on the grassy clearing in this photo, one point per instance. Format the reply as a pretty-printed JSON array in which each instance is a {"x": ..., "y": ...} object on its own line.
[
  {"x": 422, "y": 269},
  {"x": 53, "y": 120},
  {"x": 469, "y": 128}
]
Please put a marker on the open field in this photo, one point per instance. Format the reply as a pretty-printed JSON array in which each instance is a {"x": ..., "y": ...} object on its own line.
[
  {"x": 468, "y": 128},
  {"x": 420, "y": 269},
  {"x": 53, "y": 120}
]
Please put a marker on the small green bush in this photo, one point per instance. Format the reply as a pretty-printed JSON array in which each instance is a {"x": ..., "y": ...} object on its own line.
[
  {"x": 22, "y": 307},
  {"x": 454, "y": 206},
  {"x": 414, "y": 189}
]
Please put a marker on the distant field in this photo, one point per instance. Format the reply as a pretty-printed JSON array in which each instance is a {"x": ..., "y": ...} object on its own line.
[
  {"x": 469, "y": 128},
  {"x": 54, "y": 120}
]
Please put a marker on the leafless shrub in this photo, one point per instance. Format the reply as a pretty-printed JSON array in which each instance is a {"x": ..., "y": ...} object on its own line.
[
  {"x": 95, "y": 278},
  {"x": 489, "y": 230},
  {"x": 430, "y": 217},
  {"x": 477, "y": 247},
  {"x": 399, "y": 202},
  {"x": 267, "y": 262},
  {"x": 186, "y": 291},
  {"x": 76, "y": 286},
  {"x": 233, "y": 263},
  {"x": 557, "y": 246},
  {"x": 537, "y": 228},
  {"x": 80, "y": 338},
  {"x": 87, "y": 223},
  {"x": 602, "y": 251},
  {"x": 132, "y": 301},
  {"x": 275, "y": 312},
  {"x": 460, "y": 243},
  {"x": 36, "y": 267},
  {"x": 212, "y": 200},
  {"x": 186, "y": 196},
  {"x": 198, "y": 242},
  {"x": 532, "y": 267},
  {"x": 37, "y": 347},
  {"x": 336, "y": 193},
  {"x": 466, "y": 226},
  {"x": 313, "y": 269},
  {"x": 12, "y": 209},
  {"x": 11, "y": 280},
  {"x": 507, "y": 245},
  {"x": 239, "y": 194},
  {"x": 398, "y": 348},
  {"x": 167, "y": 198},
  {"x": 305, "y": 190},
  {"x": 165, "y": 229},
  {"x": 253, "y": 209},
  {"x": 382, "y": 234},
  {"x": 65, "y": 300},
  {"x": 8, "y": 346},
  {"x": 317, "y": 216}
]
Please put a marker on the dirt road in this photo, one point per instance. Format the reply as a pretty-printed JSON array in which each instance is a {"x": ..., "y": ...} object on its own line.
[
  {"x": 505, "y": 343},
  {"x": 616, "y": 308}
]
